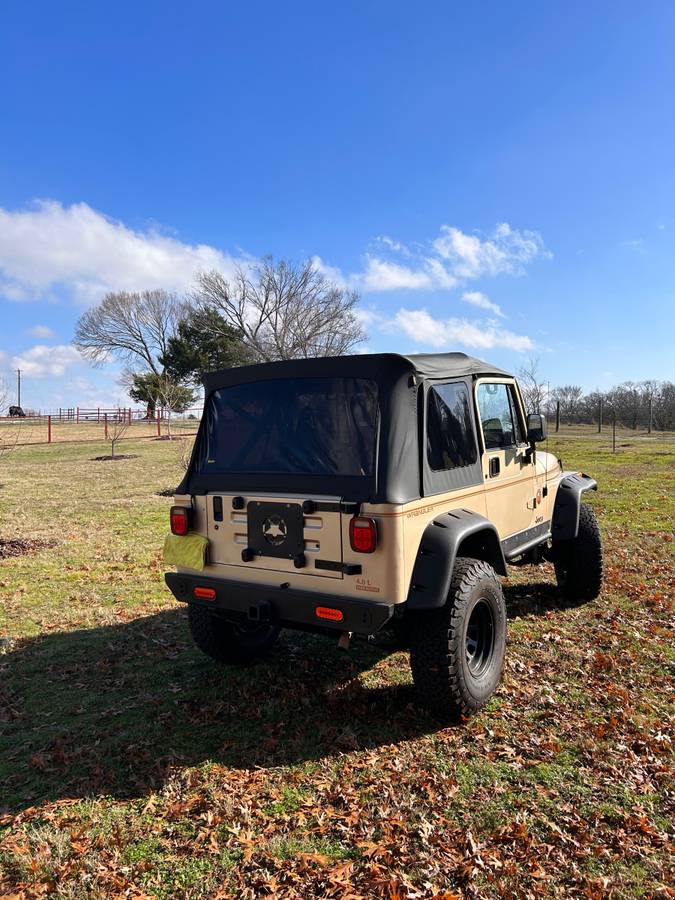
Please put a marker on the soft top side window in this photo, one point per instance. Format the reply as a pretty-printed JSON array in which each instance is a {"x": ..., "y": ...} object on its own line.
[
  {"x": 498, "y": 410},
  {"x": 451, "y": 443}
]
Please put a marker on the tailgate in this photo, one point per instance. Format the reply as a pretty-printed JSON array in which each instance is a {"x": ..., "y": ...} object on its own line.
[{"x": 276, "y": 533}]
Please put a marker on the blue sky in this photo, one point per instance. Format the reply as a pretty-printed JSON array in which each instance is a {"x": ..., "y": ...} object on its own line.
[{"x": 493, "y": 177}]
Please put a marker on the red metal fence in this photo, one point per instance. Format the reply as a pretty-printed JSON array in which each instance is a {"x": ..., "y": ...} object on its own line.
[{"x": 81, "y": 424}]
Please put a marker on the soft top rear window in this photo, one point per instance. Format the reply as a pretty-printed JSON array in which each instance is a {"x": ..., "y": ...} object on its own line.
[{"x": 300, "y": 426}]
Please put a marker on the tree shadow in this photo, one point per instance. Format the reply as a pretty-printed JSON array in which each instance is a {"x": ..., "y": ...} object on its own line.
[{"x": 111, "y": 709}]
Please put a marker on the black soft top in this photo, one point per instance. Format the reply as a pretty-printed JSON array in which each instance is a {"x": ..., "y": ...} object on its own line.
[
  {"x": 451, "y": 365},
  {"x": 372, "y": 365},
  {"x": 402, "y": 471}
]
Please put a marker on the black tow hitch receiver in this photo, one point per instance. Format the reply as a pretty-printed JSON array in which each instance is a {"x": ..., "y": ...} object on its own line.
[{"x": 260, "y": 612}]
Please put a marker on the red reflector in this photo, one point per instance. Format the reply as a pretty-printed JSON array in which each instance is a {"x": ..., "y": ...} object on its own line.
[
  {"x": 202, "y": 593},
  {"x": 180, "y": 520},
  {"x": 363, "y": 534},
  {"x": 327, "y": 612}
]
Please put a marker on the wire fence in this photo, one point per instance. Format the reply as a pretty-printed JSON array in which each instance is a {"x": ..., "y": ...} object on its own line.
[
  {"x": 79, "y": 424},
  {"x": 609, "y": 426}
]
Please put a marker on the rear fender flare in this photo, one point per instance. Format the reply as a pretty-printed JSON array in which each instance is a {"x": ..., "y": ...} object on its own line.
[
  {"x": 449, "y": 535},
  {"x": 565, "y": 521}
]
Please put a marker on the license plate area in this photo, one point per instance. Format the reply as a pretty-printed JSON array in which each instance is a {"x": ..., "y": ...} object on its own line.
[{"x": 275, "y": 529}]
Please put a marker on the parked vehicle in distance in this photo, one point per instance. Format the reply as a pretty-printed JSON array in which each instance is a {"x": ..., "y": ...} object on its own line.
[{"x": 351, "y": 494}]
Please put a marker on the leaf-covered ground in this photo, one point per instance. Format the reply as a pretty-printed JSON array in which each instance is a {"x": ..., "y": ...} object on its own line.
[{"x": 132, "y": 766}]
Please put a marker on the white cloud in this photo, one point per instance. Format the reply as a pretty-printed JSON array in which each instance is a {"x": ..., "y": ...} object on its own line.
[
  {"x": 50, "y": 247},
  {"x": 392, "y": 244},
  {"x": 42, "y": 332},
  {"x": 42, "y": 361},
  {"x": 445, "y": 262},
  {"x": 381, "y": 275},
  {"x": 440, "y": 275},
  {"x": 506, "y": 250},
  {"x": 333, "y": 273},
  {"x": 424, "y": 329},
  {"x": 49, "y": 250},
  {"x": 369, "y": 317},
  {"x": 482, "y": 301}
]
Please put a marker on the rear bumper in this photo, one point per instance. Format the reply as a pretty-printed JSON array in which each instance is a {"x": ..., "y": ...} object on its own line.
[{"x": 286, "y": 607}]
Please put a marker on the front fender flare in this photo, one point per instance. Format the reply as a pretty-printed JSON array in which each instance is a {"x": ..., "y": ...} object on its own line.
[
  {"x": 438, "y": 550},
  {"x": 565, "y": 522}
]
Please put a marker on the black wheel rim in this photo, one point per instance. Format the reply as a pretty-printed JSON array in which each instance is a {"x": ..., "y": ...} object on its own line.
[{"x": 480, "y": 638}]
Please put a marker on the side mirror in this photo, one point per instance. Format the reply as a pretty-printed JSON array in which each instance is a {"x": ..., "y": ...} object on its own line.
[{"x": 536, "y": 428}]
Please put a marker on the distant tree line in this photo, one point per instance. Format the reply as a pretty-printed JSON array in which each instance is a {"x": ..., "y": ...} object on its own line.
[
  {"x": 266, "y": 311},
  {"x": 632, "y": 402}
]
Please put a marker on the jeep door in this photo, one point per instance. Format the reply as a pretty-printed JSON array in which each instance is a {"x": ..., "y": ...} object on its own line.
[{"x": 508, "y": 467}]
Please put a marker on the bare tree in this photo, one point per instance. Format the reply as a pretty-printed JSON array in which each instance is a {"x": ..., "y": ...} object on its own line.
[
  {"x": 531, "y": 385},
  {"x": 183, "y": 448},
  {"x": 4, "y": 396},
  {"x": 172, "y": 396},
  {"x": 131, "y": 326},
  {"x": 569, "y": 397},
  {"x": 117, "y": 428},
  {"x": 283, "y": 310},
  {"x": 664, "y": 406}
]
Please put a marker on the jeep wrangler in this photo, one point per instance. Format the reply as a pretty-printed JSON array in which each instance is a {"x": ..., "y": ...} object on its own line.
[{"x": 349, "y": 495}]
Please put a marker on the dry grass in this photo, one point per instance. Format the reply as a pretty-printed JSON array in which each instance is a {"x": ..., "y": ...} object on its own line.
[{"x": 131, "y": 765}]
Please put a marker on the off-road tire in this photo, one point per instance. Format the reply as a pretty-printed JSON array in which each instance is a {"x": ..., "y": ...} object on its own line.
[
  {"x": 226, "y": 642},
  {"x": 578, "y": 562},
  {"x": 449, "y": 681}
]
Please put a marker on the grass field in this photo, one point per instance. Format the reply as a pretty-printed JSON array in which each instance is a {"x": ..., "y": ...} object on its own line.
[
  {"x": 36, "y": 430},
  {"x": 130, "y": 765}
]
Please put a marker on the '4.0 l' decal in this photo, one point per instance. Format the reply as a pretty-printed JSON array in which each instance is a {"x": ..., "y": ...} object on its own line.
[{"x": 363, "y": 584}]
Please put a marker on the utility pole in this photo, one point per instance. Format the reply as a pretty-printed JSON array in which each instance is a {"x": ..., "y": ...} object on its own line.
[{"x": 18, "y": 387}]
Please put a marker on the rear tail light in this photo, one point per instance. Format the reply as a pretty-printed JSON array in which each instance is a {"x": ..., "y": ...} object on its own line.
[
  {"x": 181, "y": 519},
  {"x": 203, "y": 593},
  {"x": 363, "y": 534},
  {"x": 329, "y": 612}
]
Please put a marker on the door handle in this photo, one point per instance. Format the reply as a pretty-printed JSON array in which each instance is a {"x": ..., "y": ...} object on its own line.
[{"x": 494, "y": 466}]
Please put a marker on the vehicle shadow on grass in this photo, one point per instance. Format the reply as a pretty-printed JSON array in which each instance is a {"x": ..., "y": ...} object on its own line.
[
  {"x": 531, "y": 599},
  {"x": 110, "y": 710},
  {"x": 535, "y": 598}
]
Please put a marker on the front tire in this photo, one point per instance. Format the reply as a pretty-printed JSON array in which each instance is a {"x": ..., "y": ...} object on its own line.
[
  {"x": 227, "y": 642},
  {"x": 457, "y": 651},
  {"x": 578, "y": 562}
]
